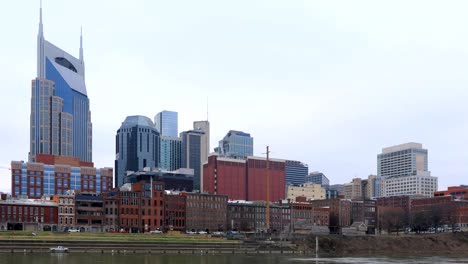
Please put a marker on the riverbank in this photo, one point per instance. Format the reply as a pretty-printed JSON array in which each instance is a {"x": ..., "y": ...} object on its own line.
[
  {"x": 444, "y": 244},
  {"x": 41, "y": 242}
]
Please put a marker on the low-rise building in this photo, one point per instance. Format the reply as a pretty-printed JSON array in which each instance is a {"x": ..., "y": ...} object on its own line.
[
  {"x": 66, "y": 210},
  {"x": 205, "y": 212},
  {"x": 89, "y": 212},
  {"x": 250, "y": 216},
  {"x": 311, "y": 191},
  {"x": 28, "y": 214}
]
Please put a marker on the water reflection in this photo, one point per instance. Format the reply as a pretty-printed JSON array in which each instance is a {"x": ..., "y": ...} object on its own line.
[{"x": 208, "y": 259}]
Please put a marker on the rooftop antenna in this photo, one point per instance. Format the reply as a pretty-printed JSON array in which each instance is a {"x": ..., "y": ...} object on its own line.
[{"x": 207, "y": 108}]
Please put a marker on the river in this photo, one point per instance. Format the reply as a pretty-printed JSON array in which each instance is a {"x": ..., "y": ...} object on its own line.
[{"x": 83, "y": 258}]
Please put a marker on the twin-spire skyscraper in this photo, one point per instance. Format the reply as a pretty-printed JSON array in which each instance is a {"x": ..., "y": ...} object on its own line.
[{"x": 60, "y": 115}]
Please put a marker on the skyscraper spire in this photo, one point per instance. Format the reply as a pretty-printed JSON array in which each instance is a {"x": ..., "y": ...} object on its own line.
[
  {"x": 81, "y": 44},
  {"x": 40, "y": 47}
]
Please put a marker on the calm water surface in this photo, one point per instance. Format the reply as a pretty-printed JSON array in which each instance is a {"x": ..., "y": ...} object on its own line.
[{"x": 205, "y": 259}]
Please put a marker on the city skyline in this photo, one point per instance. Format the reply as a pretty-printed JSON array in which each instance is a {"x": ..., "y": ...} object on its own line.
[{"x": 326, "y": 84}]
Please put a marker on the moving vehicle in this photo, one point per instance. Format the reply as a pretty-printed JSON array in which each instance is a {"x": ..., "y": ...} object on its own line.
[
  {"x": 71, "y": 230},
  {"x": 58, "y": 249}
]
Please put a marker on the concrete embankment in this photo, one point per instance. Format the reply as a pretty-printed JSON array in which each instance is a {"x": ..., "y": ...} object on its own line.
[
  {"x": 120, "y": 247},
  {"x": 443, "y": 244}
]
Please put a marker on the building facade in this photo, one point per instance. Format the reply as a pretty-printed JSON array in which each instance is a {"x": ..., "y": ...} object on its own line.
[
  {"x": 141, "y": 206},
  {"x": 35, "y": 179},
  {"x": 136, "y": 147},
  {"x": 402, "y": 160},
  {"x": 60, "y": 121},
  {"x": 310, "y": 191},
  {"x": 174, "y": 211},
  {"x": 457, "y": 192},
  {"x": 250, "y": 216},
  {"x": 206, "y": 212},
  {"x": 191, "y": 154},
  {"x": 66, "y": 210},
  {"x": 170, "y": 154},
  {"x": 319, "y": 178},
  {"x": 244, "y": 179},
  {"x": 28, "y": 215},
  {"x": 236, "y": 144},
  {"x": 89, "y": 212},
  {"x": 296, "y": 172},
  {"x": 420, "y": 184},
  {"x": 166, "y": 122},
  {"x": 203, "y": 126}
]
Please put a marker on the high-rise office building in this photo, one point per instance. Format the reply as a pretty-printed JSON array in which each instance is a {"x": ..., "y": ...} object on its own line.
[
  {"x": 204, "y": 144},
  {"x": 402, "y": 160},
  {"x": 319, "y": 178},
  {"x": 60, "y": 121},
  {"x": 170, "y": 154},
  {"x": 236, "y": 144},
  {"x": 166, "y": 123},
  {"x": 191, "y": 154},
  {"x": 403, "y": 170},
  {"x": 296, "y": 172},
  {"x": 136, "y": 147}
]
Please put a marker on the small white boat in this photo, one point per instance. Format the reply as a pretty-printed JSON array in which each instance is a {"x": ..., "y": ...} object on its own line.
[{"x": 58, "y": 249}]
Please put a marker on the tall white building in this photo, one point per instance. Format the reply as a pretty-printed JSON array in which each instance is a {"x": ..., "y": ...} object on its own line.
[{"x": 403, "y": 170}]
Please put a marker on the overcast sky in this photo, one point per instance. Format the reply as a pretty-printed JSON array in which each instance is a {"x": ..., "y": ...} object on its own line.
[{"x": 329, "y": 83}]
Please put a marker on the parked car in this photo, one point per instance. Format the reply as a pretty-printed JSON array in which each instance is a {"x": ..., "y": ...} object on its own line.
[
  {"x": 189, "y": 232},
  {"x": 156, "y": 232},
  {"x": 218, "y": 234},
  {"x": 72, "y": 230},
  {"x": 201, "y": 232}
]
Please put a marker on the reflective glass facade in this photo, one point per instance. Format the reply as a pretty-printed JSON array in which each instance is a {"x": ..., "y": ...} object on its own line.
[
  {"x": 296, "y": 172},
  {"x": 170, "y": 153},
  {"x": 60, "y": 116},
  {"x": 236, "y": 144},
  {"x": 166, "y": 123},
  {"x": 318, "y": 178}
]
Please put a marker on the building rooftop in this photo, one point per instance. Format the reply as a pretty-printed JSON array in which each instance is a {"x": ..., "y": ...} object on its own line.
[{"x": 410, "y": 145}]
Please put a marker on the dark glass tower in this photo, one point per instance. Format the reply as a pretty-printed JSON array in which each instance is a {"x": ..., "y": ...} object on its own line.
[
  {"x": 191, "y": 154},
  {"x": 136, "y": 147}
]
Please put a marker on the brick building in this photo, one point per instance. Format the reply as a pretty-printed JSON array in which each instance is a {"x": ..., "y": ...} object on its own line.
[
  {"x": 111, "y": 211},
  {"x": 174, "y": 213},
  {"x": 141, "y": 206},
  {"x": 89, "y": 212},
  {"x": 458, "y": 192},
  {"x": 366, "y": 212},
  {"x": 51, "y": 175},
  {"x": 305, "y": 215},
  {"x": 251, "y": 216},
  {"x": 205, "y": 211},
  {"x": 66, "y": 210},
  {"x": 28, "y": 214},
  {"x": 244, "y": 179},
  {"x": 340, "y": 212}
]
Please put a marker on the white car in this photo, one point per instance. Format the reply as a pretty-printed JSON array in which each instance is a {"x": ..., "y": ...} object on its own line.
[
  {"x": 156, "y": 232},
  {"x": 71, "y": 230},
  {"x": 201, "y": 232},
  {"x": 188, "y": 232}
]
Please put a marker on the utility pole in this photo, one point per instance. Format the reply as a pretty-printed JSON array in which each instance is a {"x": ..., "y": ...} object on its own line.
[{"x": 268, "y": 189}]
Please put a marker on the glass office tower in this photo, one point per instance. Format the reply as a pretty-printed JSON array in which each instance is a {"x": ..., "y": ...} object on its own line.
[
  {"x": 136, "y": 147},
  {"x": 236, "y": 144},
  {"x": 166, "y": 123},
  {"x": 60, "y": 120}
]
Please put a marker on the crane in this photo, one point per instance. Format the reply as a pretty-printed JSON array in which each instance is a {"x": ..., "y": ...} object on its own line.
[{"x": 5, "y": 168}]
